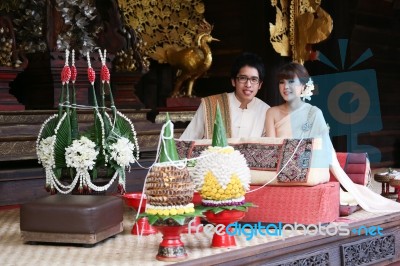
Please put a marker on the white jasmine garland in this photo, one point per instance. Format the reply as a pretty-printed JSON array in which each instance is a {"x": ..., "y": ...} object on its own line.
[
  {"x": 133, "y": 132},
  {"x": 103, "y": 141},
  {"x": 223, "y": 202},
  {"x": 82, "y": 154},
  {"x": 149, "y": 206},
  {"x": 42, "y": 128},
  {"x": 122, "y": 152},
  {"x": 45, "y": 152}
]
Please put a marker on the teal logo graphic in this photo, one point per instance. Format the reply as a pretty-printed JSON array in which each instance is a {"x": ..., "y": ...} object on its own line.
[{"x": 349, "y": 101}]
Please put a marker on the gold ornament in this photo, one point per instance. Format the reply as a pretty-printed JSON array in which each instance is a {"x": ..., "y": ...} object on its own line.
[
  {"x": 191, "y": 62},
  {"x": 298, "y": 25},
  {"x": 173, "y": 32}
]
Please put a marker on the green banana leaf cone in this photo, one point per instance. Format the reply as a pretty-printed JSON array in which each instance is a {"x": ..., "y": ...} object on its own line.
[
  {"x": 219, "y": 133},
  {"x": 169, "y": 152}
]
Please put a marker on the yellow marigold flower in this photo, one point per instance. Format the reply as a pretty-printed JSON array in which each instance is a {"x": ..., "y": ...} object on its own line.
[
  {"x": 151, "y": 211},
  {"x": 173, "y": 212},
  {"x": 180, "y": 211},
  {"x": 189, "y": 210}
]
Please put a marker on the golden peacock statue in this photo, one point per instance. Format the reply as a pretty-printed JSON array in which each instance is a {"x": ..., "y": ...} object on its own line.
[{"x": 191, "y": 62}]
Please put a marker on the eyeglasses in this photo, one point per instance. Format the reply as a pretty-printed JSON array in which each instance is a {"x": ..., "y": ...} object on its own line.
[{"x": 244, "y": 79}]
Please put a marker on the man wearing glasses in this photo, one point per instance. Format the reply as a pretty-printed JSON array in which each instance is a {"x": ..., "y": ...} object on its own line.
[{"x": 242, "y": 112}]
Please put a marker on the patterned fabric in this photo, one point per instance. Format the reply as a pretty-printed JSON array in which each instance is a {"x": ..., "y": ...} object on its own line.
[
  {"x": 196, "y": 150},
  {"x": 297, "y": 168},
  {"x": 260, "y": 156},
  {"x": 266, "y": 157},
  {"x": 183, "y": 148},
  {"x": 210, "y": 104}
]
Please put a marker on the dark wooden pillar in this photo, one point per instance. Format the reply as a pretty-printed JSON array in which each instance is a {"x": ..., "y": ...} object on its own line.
[
  {"x": 123, "y": 86},
  {"x": 8, "y": 101}
]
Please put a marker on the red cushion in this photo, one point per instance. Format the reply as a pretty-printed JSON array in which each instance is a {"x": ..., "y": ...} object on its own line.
[
  {"x": 304, "y": 205},
  {"x": 342, "y": 158},
  {"x": 357, "y": 168}
]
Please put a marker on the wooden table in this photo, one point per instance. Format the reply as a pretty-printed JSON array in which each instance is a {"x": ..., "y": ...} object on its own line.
[{"x": 384, "y": 178}]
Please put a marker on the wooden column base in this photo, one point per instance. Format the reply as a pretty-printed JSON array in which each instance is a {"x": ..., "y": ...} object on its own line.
[
  {"x": 8, "y": 102},
  {"x": 123, "y": 87}
]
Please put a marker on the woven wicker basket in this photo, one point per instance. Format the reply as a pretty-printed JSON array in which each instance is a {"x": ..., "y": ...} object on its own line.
[
  {"x": 383, "y": 178},
  {"x": 169, "y": 186}
]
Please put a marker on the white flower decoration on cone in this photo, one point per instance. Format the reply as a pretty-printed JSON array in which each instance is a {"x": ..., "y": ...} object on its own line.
[{"x": 221, "y": 174}]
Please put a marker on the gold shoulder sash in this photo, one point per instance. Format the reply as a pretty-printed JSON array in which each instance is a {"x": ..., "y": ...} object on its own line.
[{"x": 210, "y": 104}]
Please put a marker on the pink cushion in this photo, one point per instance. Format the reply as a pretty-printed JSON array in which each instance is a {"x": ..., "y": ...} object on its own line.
[{"x": 305, "y": 205}]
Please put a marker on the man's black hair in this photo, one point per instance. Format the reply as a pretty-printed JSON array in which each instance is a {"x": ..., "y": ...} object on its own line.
[{"x": 251, "y": 60}]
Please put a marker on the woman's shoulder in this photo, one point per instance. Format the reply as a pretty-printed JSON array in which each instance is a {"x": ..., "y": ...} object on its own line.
[
  {"x": 275, "y": 109},
  {"x": 313, "y": 109},
  {"x": 276, "y": 112}
]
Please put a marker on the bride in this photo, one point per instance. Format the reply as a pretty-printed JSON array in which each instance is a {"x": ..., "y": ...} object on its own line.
[{"x": 297, "y": 119}]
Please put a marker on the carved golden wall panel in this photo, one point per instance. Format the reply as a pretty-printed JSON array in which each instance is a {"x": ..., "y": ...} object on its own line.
[
  {"x": 298, "y": 25},
  {"x": 163, "y": 24}
]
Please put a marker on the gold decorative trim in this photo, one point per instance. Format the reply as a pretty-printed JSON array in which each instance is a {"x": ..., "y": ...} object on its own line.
[
  {"x": 298, "y": 25},
  {"x": 40, "y": 116},
  {"x": 20, "y": 150},
  {"x": 184, "y": 116}
]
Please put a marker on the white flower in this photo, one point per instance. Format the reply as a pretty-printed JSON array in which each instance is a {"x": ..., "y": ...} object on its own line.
[
  {"x": 45, "y": 151},
  {"x": 122, "y": 152},
  {"x": 307, "y": 92},
  {"x": 81, "y": 154}
]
